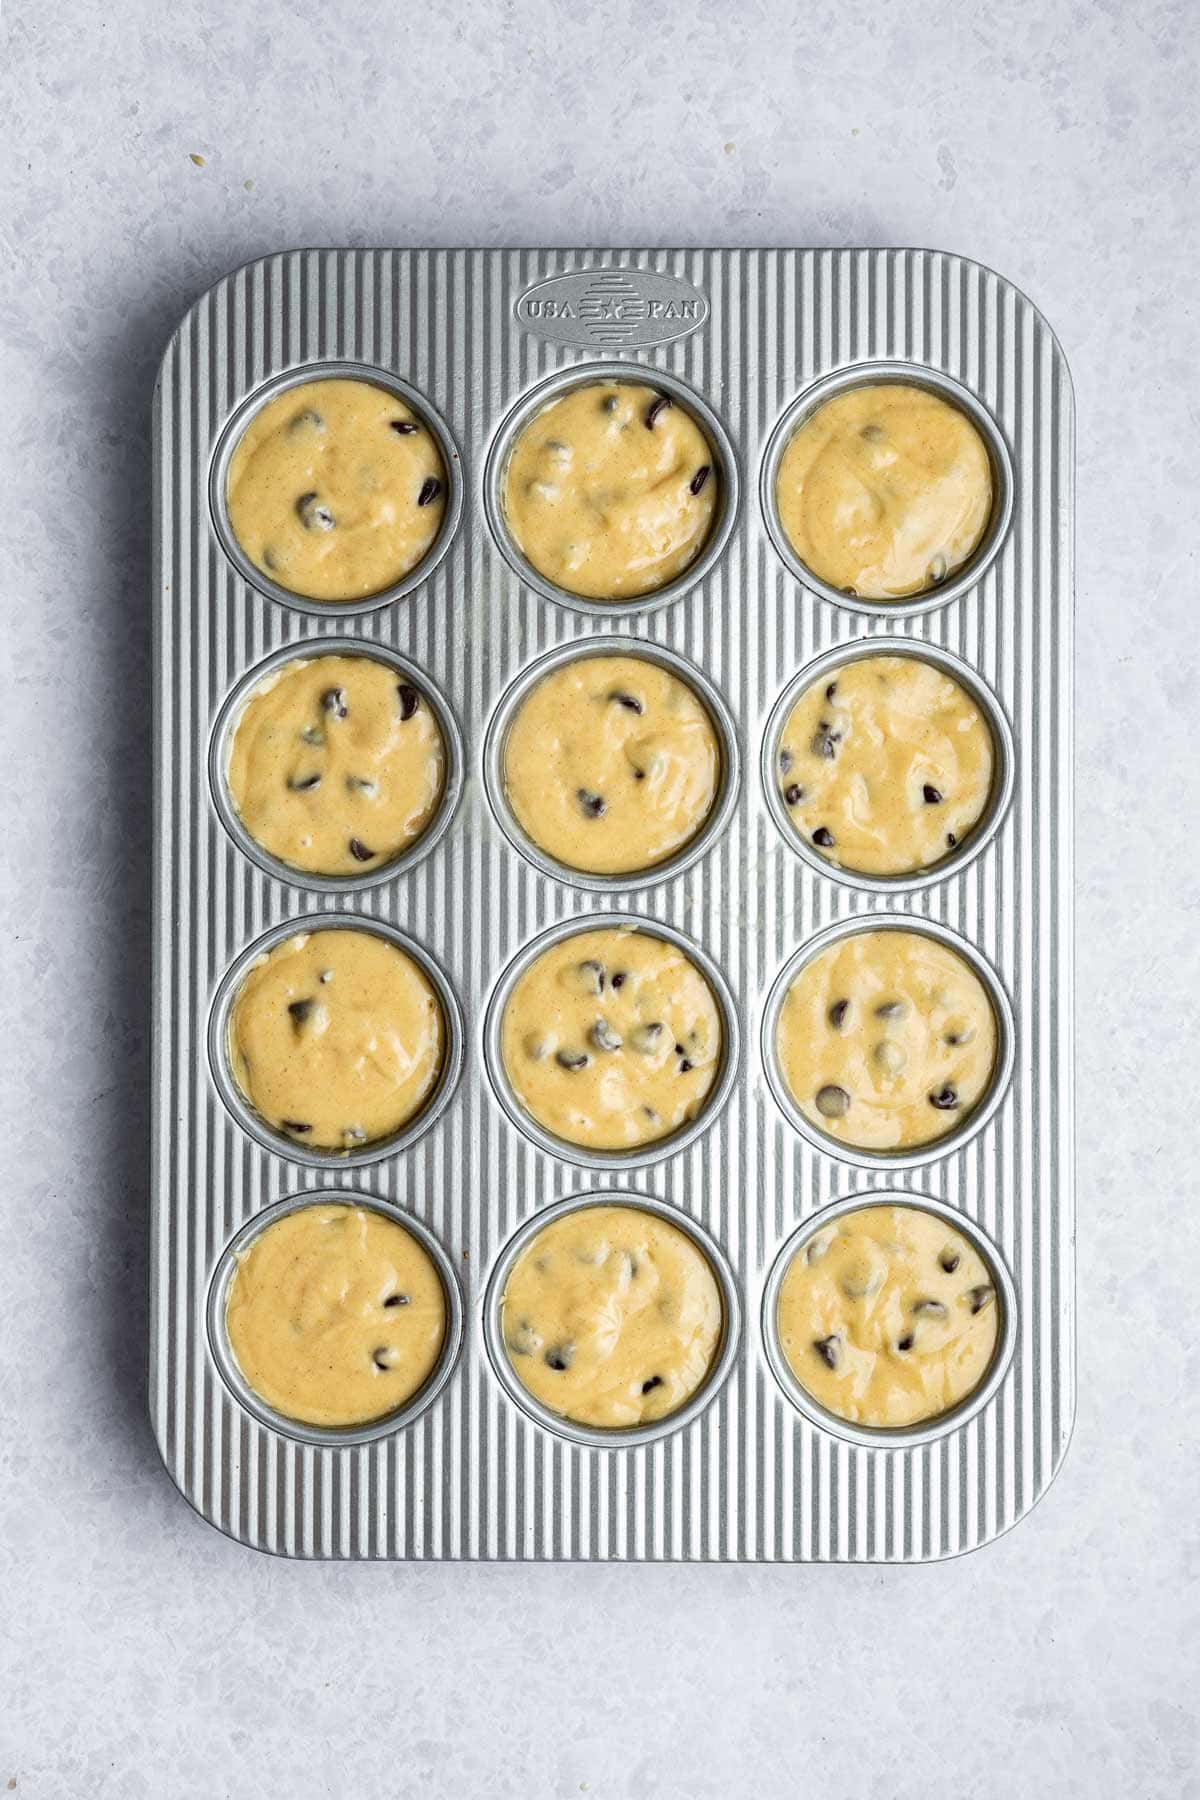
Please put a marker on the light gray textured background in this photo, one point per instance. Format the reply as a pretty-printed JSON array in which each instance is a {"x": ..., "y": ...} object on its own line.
[{"x": 142, "y": 1654}]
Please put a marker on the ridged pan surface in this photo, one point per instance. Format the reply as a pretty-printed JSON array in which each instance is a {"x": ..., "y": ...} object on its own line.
[{"x": 472, "y": 1474}]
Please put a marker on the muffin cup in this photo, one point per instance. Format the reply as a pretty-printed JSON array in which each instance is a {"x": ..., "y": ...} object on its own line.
[
  {"x": 873, "y": 374},
  {"x": 239, "y": 1105},
  {"x": 221, "y": 746},
  {"x": 1003, "y": 770},
  {"x": 598, "y": 1437},
  {"x": 588, "y": 375},
  {"x": 724, "y": 801},
  {"x": 227, "y": 443},
  {"x": 336, "y": 1436},
  {"x": 562, "y": 1148},
  {"x": 913, "y": 1156},
  {"x": 893, "y": 1437}
]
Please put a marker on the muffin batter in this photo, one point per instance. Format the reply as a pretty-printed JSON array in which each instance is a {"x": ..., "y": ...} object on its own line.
[
  {"x": 335, "y": 1038},
  {"x": 885, "y": 767},
  {"x": 887, "y": 1040},
  {"x": 888, "y": 1316},
  {"x": 612, "y": 1317},
  {"x": 336, "y": 765},
  {"x": 611, "y": 764},
  {"x": 336, "y": 489},
  {"x": 611, "y": 490},
  {"x": 885, "y": 491},
  {"x": 612, "y": 1039},
  {"x": 335, "y": 1315}
]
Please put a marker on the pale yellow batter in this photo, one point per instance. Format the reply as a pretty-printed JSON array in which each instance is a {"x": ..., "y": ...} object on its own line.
[
  {"x": 612, "y": 1317},
  {"x": 336, "y": 489},
  {"x": 885, "y": 766},
  {"x": 336, "y": 1038},
  {"x": 611, "y": 764},
  {"x": 887, "y": 1040},
  {"x": 885, "y": 491},
  {"x": 612, "y": 1039},
  {"x": 888, "y": 1316},
  {"x": 337, "y": 764},
  {"x": 335, "y": 1315},
  {"x": 611, "y": 490}
]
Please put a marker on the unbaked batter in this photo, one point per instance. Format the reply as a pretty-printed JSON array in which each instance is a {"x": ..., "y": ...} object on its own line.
[
  {"x": 612, "y": 1039},
  {"x": 887, "y": 1040},
  {"x": 612, "y": 1317},
  {"x": 886, "y": 766},
  {"x": 885, "y": 491},
  {"x": 335, "y": 1315},
  {"x": 888, "y": 1316},
  {"x": 336, "y": 489},
  {"x": 337, "y": 764},
  {"x": 611, "y": 764},
  {"x": 335, "y": 1038},
  {"x": 611, "y": 490}
]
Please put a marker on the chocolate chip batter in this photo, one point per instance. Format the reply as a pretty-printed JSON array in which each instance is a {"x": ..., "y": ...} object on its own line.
[
  {"x": 611, "y": 490},
  {"x": 612, "y": 1039},
  {"x": 336, "y": 489},
  {"x": 886, "y": 767},
  {"x": 887, "y": 1040},
  {"x": 335, "y": 1315},
  {"x": 885, "y": 491},
  {"x": 888, "y": 1316},
  {"x": 612, "y": 1317},
  {"x": 337, "y": 764},
  {"x": 611, "y": 764},
  {"x": 336, "y": 1038}
]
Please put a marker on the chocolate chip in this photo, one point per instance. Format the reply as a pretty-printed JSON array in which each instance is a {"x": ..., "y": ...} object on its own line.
[
  {"x": 303, "y": 784},
  {"x": 299, "y": 1011},
  {"x": 431, "y": 487},
  {"x": 639, "y": 774},
  {"x": 933, "y": 796},
  {"x": 906, "y": 1342},
  {"x": 593, "y": 806},
  {"x": 831, "y": 690},
  {"x": 655, "y": 1381},
  {"x": 829, "y": 1349},
  {"x": 314, "y": 516},
  {"x": 651, "y": 1114},
  {"x": 700, "y": 477},
  {"x": 685, "y": 1067},
  {"x": 572, "y": 1059},
  {"x": 825, "y": 741},
  {"x": 593, "y": 975},
  {"x": 872, "y": 433},
  {"x": 603, "y": 1036},
  {"x": 823, "y": 838},
  {"x": 679, "y": 1049},
  {"x": 832, "y": 1102},
  {"x": 644, "y": 1038},
  {"x": 945, "y": 1099},
  {"x": 359, "y": 851},
  {"x": 786, "y": 760},
  {"x": 657, "y": 405},
  {"x": 325, "y": 975},
  {"x": 890, "y": 1009},
  {"x": 397, "y": 1300},
  {"x": 361, "y": 784},
  {"x": 296, "y": 1125},
  {"x": 949, "y": 1260},
  {"x": 852, "y": 591},
  {"x": 410, "y": 699},
  {"x": 793, "y": 793},
  {"x": 610, "y": 403},
  {"x": 930, "y": 1309},
  {"x": 333, "y": 700},
  {"x": 269, "y": 558},
  {"x": 308, "y": 420},
  {"x": 618, "y": 980},
  {"x": 522, "y": 1340},
  {"x": 629, "y": 701},
  {"x": 560, "y": 1357},
  {"x": 837, "y": 1013},
  {"x": 402, "y": 427},
  {"x": 979, "y": 1297},
  {"x": 939, "y": 568},
  {"x": 951, "y": 840}
]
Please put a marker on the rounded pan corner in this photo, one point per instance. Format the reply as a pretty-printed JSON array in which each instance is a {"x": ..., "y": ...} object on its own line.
[{"x": 1013, "y": 287}]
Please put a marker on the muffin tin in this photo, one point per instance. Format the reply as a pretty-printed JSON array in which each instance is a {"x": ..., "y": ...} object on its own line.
[{"x": 475, "y": 341}]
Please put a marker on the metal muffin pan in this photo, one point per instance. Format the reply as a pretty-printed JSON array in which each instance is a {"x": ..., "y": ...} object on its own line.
[{"x": 476, "y": 342}]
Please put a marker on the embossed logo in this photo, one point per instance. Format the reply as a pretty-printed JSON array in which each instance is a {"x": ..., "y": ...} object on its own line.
[{"x": 612, "y": 309}]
